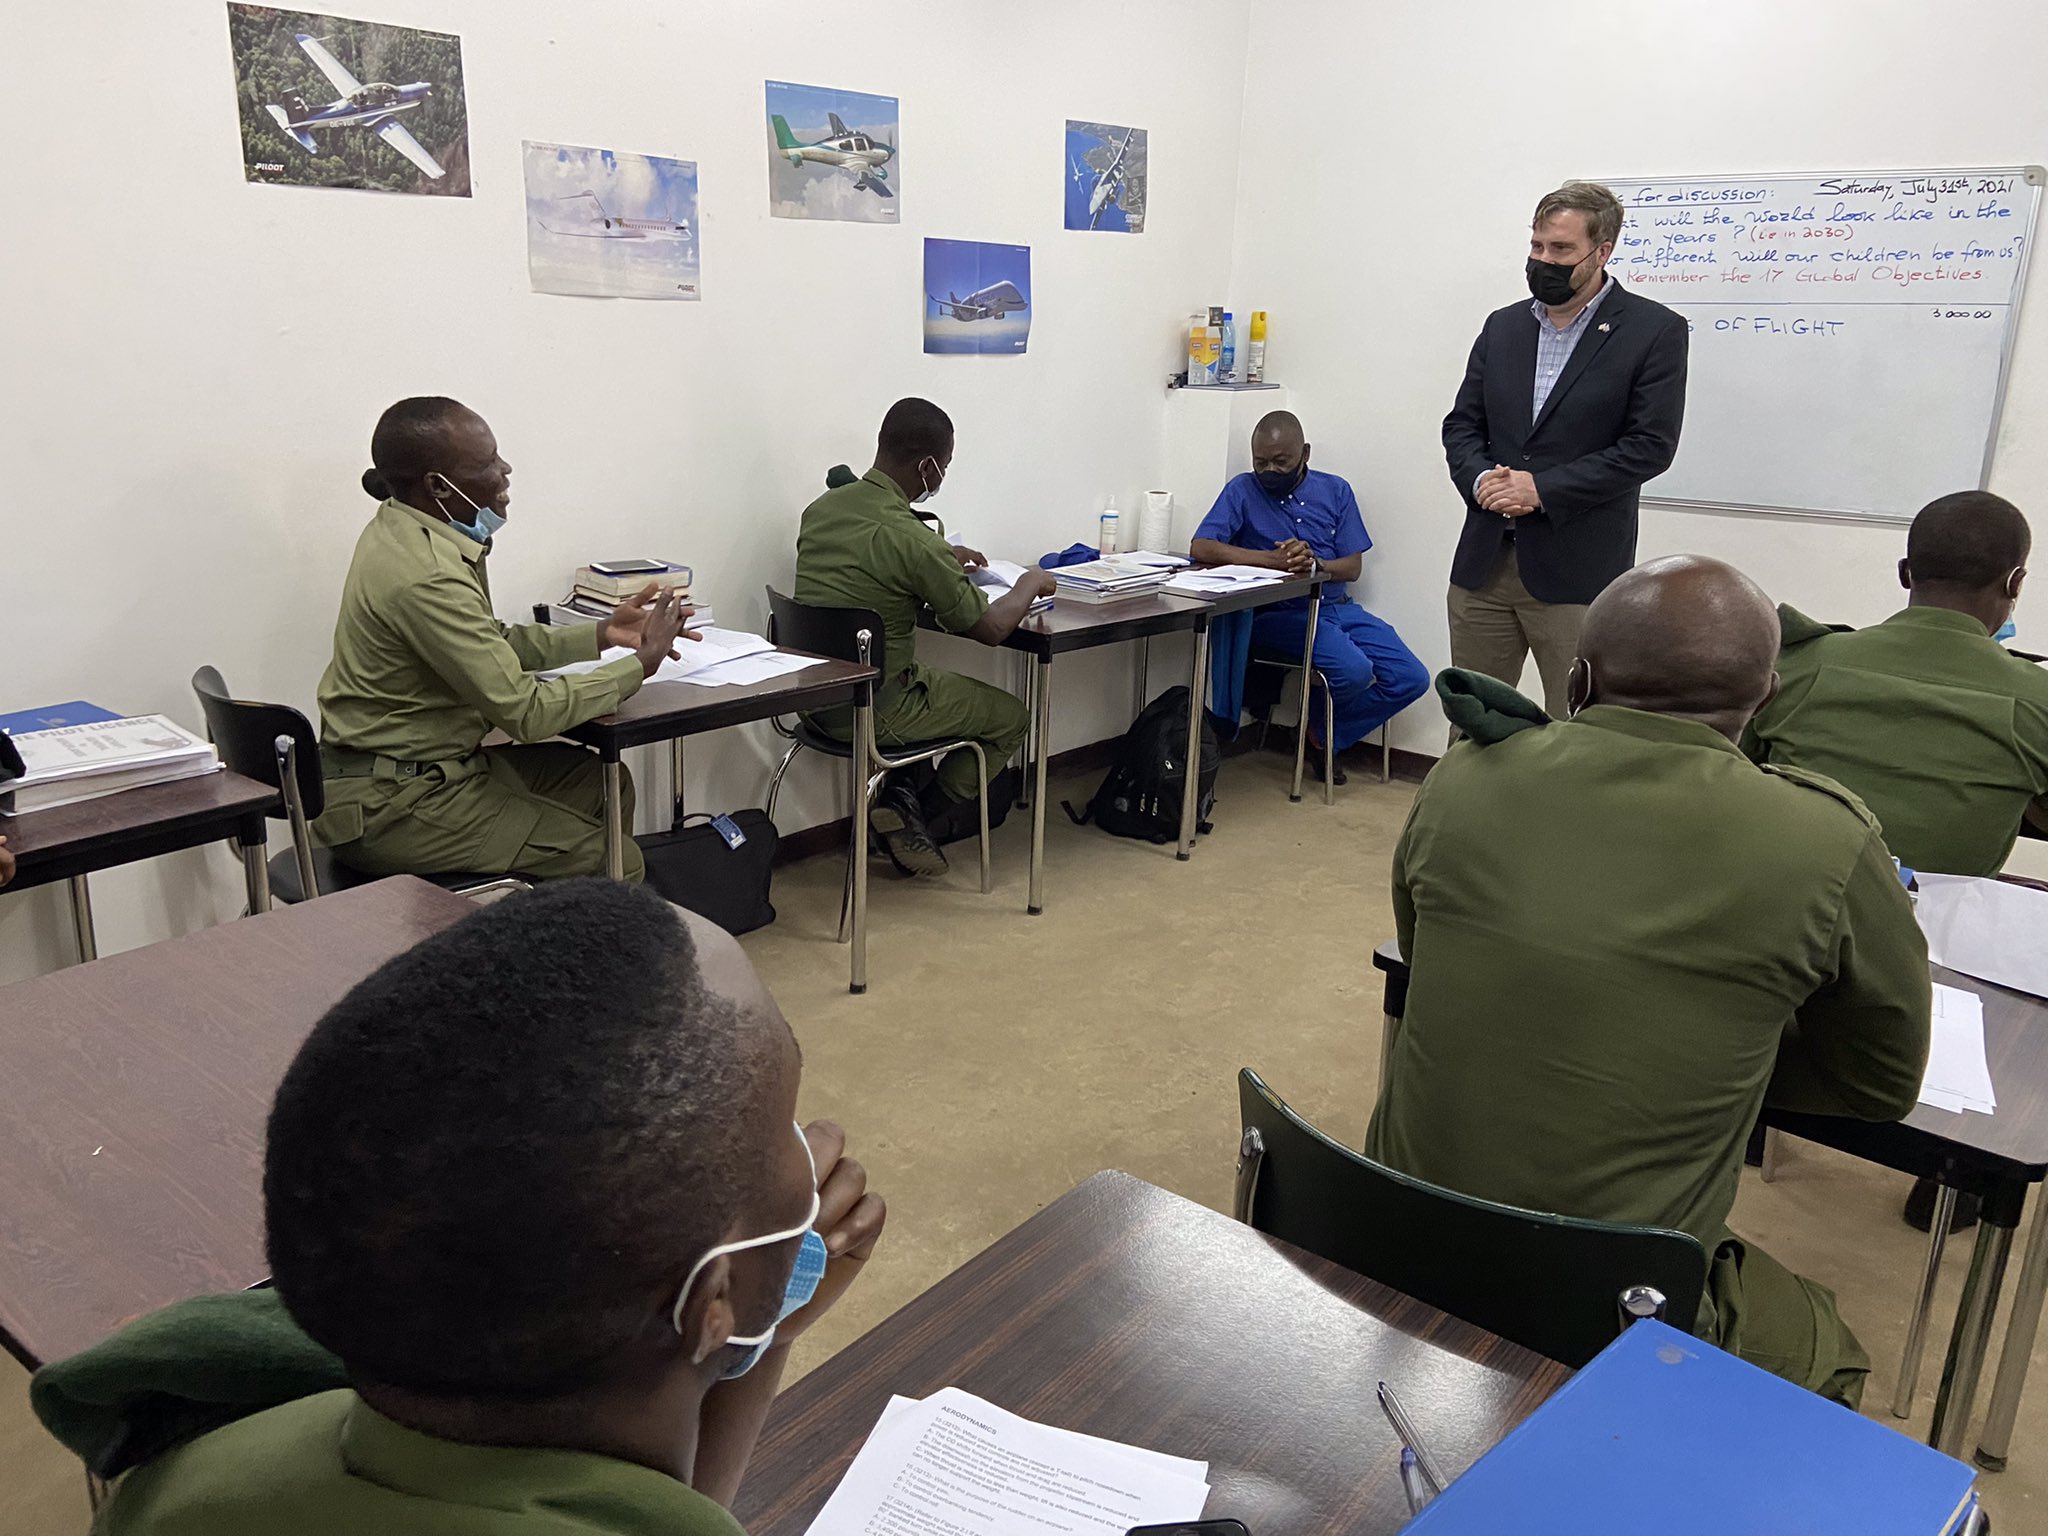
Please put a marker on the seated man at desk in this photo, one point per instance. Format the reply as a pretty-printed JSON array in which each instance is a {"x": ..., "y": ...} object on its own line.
[
  {"x": 423, "y": 670},
  {"x": 1939, "y": 729},
  {"x": 861, "y": 546},
  {"x": 546, "y": 1287},
  {"x": 1624, "y": 937},
  {"x": 1295, "y": 519}
]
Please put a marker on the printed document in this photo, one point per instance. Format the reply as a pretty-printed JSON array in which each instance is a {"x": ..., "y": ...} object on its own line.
[
  {"x": 1990, "y": 929},
  {"x": 1958, "y": 1076}
]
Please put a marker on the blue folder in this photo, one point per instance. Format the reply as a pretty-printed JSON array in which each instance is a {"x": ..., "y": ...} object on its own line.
[
  {"x": 48, "y": 718},
  {"x": 1664, "y": 1433}
]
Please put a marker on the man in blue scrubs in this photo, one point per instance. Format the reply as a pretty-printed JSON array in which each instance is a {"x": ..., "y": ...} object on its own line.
[{"x": 1295, "y": 519}]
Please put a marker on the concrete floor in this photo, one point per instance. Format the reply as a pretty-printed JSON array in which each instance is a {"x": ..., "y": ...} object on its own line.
[{"x": 997, "y": 1060}]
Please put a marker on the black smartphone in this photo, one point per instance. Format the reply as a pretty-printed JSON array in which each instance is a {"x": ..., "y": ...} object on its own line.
[{"x": 1193, "y": 1528}]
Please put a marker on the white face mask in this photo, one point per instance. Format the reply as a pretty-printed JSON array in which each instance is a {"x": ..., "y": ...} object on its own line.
[
  {"x": 759, "y": 1342},
  {"x": 924, "y": 480}
]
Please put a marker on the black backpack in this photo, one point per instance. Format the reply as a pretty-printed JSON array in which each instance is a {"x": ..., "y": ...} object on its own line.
[{"x": 1141, "y": 797}]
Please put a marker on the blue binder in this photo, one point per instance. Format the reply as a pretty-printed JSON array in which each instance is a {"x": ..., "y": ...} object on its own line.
[
  {"x": 48, "y": 718},
  {"x": 1663, "y": 1432}
]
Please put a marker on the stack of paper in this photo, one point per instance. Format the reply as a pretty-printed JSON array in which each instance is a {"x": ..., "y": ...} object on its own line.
[
  {"x": 71, "y": 763},
  {"x": 1958, "y": 1076},
  {"x": 1111, "y": 579},
  {"x": 999, "y": 577},
  {"x": 1991, "y": 929},
  {"x": 1220, "y": 580},
  {"x": 718, "y": 658},
  {"x": 954, "y": 1463}
]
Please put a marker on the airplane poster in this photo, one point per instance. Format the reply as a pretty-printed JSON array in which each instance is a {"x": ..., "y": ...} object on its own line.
[
  {"x": 604, "y": 224},
  {"x": 1106, "y": 177},
  {"x": 977, "y": 298},
  {"x": 832, "y": 155},
  {"x": 329, "y": 102}
]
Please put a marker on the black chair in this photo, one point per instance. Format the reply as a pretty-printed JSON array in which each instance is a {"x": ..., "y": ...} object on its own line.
[
  {"x": 856, "y": 634},
  {"x": 1290, "y": 661},
  {"x": 274, "y": 744},
  {"x": 1555, "y": 1284}
]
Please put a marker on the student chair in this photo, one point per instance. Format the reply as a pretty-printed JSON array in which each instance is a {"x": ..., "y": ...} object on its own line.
[
  {"x": 1290, "y": 662},
  {"x": 274, "y": 744},
  {"x": 856, "y": 634},
  {"x": 1555, "y": 1284}
]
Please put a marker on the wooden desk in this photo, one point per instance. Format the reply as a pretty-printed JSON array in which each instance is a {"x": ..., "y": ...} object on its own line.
[
  {"x": 131, "y": 1139},
  {"x": 1997, "y": 1156},
  {"x": 70, "y": 841},
  {"x": 1124, "y": 1311},
  {"x": 1075, "y": 626}
]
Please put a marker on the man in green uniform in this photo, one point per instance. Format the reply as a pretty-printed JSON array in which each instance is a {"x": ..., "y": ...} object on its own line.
[
  {"x": 423, "y": 670},
  {"x": 861, "y": 546},
  {"x": 539, "y": 1289},
  {"x": 1940, "y": 730},
  {"x": 1624, "y": 936}
]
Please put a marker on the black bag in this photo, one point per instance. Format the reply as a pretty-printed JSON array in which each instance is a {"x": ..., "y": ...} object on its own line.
[
  {"x": 959, "y": 819},
  {"x": 696, "y": 864},
  {"x": 1141, "y": 797}
]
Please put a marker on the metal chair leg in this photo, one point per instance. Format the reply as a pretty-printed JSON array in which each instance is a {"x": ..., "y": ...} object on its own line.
[
  {"x": 1386, "y": 752},
  {"x": 1329, "y": 741},
  {"x": 1960, "y": 1372},
  {"x": 2020, "y": 1329},
  {"x": 81, "y": 918},
  {"x": 864, "y": 800},
  {"x": 1916, "y": 1330},
  {"x": 781, "y": 768}
]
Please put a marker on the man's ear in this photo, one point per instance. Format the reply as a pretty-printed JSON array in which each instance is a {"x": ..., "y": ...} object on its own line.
[
  {"x": 1578, "y": 687},
  {"x": 2015, "y": 581},
  {"x": 1770, "y": 693},
  {"x": 708, "y": 1319},
  {"x": 1906, "y": 575},
  {"x": 1305, "y": 447}
]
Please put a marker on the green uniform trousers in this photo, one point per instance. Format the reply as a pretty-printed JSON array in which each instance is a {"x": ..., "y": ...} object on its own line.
[
  {"x": 1758, "y": 1309},
  {"x": 931, "y": 705},
  {"x": 518, "y": 810}
]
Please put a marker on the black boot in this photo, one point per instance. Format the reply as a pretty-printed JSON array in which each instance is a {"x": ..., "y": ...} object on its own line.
[
  {"x": 897, "y": 818},
  {"x": 1919, "y": 1212}
]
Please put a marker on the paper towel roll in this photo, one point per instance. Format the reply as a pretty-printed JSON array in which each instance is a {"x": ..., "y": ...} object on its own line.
[{"x": 1155, "y": 523}]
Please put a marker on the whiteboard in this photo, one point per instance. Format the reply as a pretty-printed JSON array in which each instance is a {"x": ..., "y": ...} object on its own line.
[{"x": 1851, "y": 333}]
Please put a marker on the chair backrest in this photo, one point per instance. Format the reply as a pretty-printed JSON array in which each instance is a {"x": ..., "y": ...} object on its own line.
[
  {"x": 1553, "y": 1284},
  {"x": 245, "y": 734},
  {"x": 834, "y": 632}
]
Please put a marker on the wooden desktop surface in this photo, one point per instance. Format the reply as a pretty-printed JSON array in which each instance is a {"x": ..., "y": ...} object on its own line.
[
  {"x": 1124, "y": 1311},
  {"x": 132, "y": 824},
  {"x": 131, "y": 1133},
  {"x": 1070, "y": 625},
  {"x": 661, "y": 711}
]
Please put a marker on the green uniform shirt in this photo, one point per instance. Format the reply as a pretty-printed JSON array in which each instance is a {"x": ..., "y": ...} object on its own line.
[
  {"x": 861, "y": 546},
  {"x": 330, "y": 1465},
  {"x": 422, "y": 668},
  {"x": 1938, "y": 728},
  {"x": 1621, "y": 932}
]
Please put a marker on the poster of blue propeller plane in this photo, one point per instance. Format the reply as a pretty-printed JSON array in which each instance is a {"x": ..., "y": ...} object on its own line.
[
  {"x": 977, "y": 297},
  {"x": 606, "y": 224},
  {"x": 832, "y": 155},
  {"x": 330, "y": 102},
  {"x": 1106, "y": 175}
]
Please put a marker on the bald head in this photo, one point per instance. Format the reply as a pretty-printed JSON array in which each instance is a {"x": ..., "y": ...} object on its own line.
[{"x": 1684, "y": 636}]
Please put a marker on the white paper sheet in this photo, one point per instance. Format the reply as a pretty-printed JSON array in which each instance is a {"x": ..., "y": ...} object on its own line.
[
  {"x": 757, "y": 668},
  {"x": 1989, "y": 929},
  {"x": 714, "y": 647},
  {"x": 1214, "y": 582},
  {"x": 1958, "y": 1076},
  {"x": 997, "y": 573},
  {"x": 954, "y": 1465}
]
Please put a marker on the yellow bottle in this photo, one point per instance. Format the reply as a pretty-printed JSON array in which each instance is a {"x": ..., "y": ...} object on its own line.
[{"x": 1255, "y": 353}]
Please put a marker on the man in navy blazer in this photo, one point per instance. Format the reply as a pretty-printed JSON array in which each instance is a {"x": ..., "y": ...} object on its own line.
[{"x": 1570, "y": 402}]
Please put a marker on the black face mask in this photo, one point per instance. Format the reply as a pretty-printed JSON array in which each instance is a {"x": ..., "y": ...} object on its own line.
[
  {"x": 1551, "y": 281},
  {"x": 1278, "y": 482}
]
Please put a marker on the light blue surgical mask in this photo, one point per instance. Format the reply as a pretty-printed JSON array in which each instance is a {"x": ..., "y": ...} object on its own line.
[
  {"x": 488, "y": 519},
  {"x": 2005, "y": 631},
  {"x": 809, "y": 1269}
]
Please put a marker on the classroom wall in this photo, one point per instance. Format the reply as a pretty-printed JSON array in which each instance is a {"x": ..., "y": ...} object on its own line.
[
  {"x": 197, "y": 362},
  {"x": 1392, "y": 154}
]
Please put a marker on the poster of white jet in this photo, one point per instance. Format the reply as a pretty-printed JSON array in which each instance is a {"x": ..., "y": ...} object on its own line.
[{"x": 608, "y": 224}]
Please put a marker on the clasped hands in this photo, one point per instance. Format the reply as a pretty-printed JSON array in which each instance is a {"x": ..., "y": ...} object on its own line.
[{"x": 1510, "y": 492}]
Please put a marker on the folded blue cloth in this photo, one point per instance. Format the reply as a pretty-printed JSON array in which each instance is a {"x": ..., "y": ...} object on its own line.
[
  {"x": 1073, "y": 554},
  {"x": 1230, "y": 651}
]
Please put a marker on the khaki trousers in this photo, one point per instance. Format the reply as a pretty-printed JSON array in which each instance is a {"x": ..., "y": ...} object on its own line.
[{"x": 1495, "y": 626}]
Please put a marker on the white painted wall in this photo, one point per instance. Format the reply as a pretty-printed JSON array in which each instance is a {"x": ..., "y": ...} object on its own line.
[
  {"x": 195, "y": 363},
  {"x": 1392, "y": 153}
]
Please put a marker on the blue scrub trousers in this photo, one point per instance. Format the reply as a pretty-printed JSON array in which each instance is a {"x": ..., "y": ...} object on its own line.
[{"x": 1373, "y": 676}]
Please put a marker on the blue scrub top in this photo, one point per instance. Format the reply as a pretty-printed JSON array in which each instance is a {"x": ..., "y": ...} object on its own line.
[{"x": 1321, "y": 512}]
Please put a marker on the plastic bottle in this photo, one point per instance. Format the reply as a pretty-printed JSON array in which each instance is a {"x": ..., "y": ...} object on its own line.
[
  {"x": 1255, "y": 353},
  {"x": 1226, "y": 364},
  {"x": 1105, "y": 531}
]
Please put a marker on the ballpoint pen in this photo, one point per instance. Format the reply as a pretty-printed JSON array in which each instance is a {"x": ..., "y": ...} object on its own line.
[
  {"x": 1405, "y": 1429},
  {"x": 1413, "y": 1483}
]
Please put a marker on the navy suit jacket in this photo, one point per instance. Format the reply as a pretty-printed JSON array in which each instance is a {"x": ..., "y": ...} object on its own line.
[{"x": 1611, "y": 423}]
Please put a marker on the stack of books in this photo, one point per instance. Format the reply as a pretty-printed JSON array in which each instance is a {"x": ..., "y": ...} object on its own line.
[
  {"x": 100, "y": 754},
  {"x": 1112, "y": 579},
  {"x": 596, "y": 589}
]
